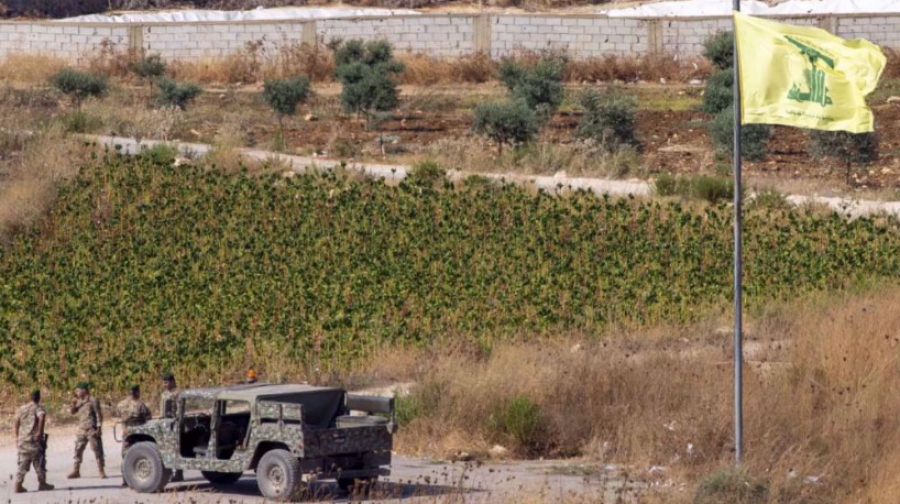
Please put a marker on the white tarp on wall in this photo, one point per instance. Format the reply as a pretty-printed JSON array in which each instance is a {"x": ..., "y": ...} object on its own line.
[
  {"x": 193, "y": 16},
  {"x": 691, "y": 8}
]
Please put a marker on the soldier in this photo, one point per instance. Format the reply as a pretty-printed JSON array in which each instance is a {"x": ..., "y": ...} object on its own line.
[
  {"x": 32, "y": 443},
  {"x": 169, "y": 408},
  {"x": 89, "y": 430},
  {"x": 133, "y": 412}
]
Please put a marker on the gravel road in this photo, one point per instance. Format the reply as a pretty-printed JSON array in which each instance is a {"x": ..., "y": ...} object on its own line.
[{"x": 413, "y": 480}]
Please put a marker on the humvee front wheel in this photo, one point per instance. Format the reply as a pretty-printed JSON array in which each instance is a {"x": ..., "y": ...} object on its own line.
[
  {"x": 221, "y": 478},
  {"x": 143, "y": 469},
  {"x": 278, "y": 475}
]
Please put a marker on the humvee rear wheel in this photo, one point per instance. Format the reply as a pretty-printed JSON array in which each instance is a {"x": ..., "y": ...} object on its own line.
[
  {"x": 221, "y": 478},
  {"x": 278, "y": 475},
  {"x": 143, "y": 469},
  {"x": 360, "y": 486}
]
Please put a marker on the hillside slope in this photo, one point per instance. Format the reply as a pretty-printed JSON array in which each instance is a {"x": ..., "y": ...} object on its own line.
[{"x": 140, "y": 268}]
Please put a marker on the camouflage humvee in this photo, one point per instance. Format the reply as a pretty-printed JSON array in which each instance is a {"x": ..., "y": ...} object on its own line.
[{"x": 284, "y": 432}]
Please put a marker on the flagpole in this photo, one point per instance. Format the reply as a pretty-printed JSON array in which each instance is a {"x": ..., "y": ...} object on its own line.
[{"x": 738, "y": 266}]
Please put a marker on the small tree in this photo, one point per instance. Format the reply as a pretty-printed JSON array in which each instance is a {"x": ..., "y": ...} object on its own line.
[
  {"x": 753, "y": 136},
  {"x": 849, "y": 148},
  {"x": 609, "y": 118},
  {"x": 540, "y": 86},
  {"x": 367, "y": 71},
  {"x": 509, "y": 122},
  {"x": 719, "y": 49},
  {"x": 79, "y": 85},
  {"x": 283, "y": 96},
  {"x": 719, "y": 93},
  {"x": 177, "y": 95},
  {"x": 148, "y": 68}
]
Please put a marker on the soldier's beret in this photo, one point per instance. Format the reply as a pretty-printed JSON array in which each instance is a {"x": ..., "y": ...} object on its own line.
[
  {"x": 168, "y": 376},
  {"x": 135, "y": 388},
  {"x": 83, "y": 385}
]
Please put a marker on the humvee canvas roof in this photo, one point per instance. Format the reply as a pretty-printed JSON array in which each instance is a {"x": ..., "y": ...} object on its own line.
[{"x": 253, "y": 391}]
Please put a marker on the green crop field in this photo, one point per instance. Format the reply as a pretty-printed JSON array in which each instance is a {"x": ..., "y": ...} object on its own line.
[{"x": 140, "y": 268}]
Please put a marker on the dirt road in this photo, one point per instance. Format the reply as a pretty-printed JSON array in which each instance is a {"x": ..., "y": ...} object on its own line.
[{"x": 413, "y": 479}]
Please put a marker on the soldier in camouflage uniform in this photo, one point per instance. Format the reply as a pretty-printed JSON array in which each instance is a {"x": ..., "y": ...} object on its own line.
[
  {"x": 89, "y": 429},
  {"x": 133, "y": 412},
  {"x": 169, "y": 408},
  {"x": 29, "y": 430}
]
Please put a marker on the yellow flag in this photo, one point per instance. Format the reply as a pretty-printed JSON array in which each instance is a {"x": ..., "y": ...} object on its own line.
[{"x": 805, "y": 77}]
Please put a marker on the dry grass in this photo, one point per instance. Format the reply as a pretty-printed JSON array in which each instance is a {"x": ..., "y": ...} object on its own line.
[
  {"x": 28, "y": 182},
  {"x": 821, "y": 398},
  {"x": 28, "y": 69}
]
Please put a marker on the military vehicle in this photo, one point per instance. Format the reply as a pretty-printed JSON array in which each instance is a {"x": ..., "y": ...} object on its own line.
[{"x": 288, "y": 434}]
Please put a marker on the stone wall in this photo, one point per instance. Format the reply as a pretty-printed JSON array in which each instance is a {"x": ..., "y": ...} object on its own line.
[{"x": 444, "y": 35}]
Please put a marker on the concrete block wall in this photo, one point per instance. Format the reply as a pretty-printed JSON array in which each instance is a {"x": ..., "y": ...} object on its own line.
[
  {"x": 439, "y": 35},
  {"x": 882, "y": 30},
  {"x": 581, "y": 37},
  {"x": 61, "y": 41}
]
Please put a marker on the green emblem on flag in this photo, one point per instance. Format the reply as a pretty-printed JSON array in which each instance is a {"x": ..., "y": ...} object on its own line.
[{"x": 817, "y": 91}]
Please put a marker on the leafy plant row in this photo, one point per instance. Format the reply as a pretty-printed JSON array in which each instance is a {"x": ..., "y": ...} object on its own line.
[{"x": 141, "y": 267}]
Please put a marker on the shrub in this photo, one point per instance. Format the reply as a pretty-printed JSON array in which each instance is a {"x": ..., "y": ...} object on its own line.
[
  {"x": 522, "y": 421},
  {"x": 753, "y": 136},
  {"x": 719, "y": 93},
  {"x": 79, "y": 85},
  {"x": 368, "y": 73},
  {"x": 770, "y": 199},
  {"x": 609, "y": 118},
  {"x": 149, "y": 67},
  {"x": 712, "y": 189},
  {"x": 509, "y": 122},
  {"x": 283, "y": 96},
  {"x": 848, "y": 148},
  {"x": 426, "y": 174},
  {"x": 731, "y": 486},
  {"x": 540, "y": 85},
  {"x": 179, "y": 95},
  {"x": 79, "y": 121},
  {"x": 666, "y": 185},
  {"x": 160, "y": 155},
  {"x": 719, "y": 49}
]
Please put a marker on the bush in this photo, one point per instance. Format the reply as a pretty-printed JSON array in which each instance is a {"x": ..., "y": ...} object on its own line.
[
  {"x": 283, "y": 95},
  {"x": 719, "y": 93},
  {"x": 609, "y": 118},
  {"x": 79, "y": 121},
  {"x": 522, "y": 421},
  {"x": 666, "y": 185},
  {"x": 712, "y": 189},
  {"x": 510, "y": 122},
  {"x": 426, "y": 174},
  {"x": 149, "y": 67},
  {"x": 367, "y": 72},
  {"x": 160, "y": 155},
  {"x": 719, "y": 50},
  {"x": 770, "y": 199},
  {"x": 732, "y": 487},
  {"x": 848, "y": 148},
  {"x": 79, "y": 85},
  {"x": 753, "y": 136},
  {"x": 173, "y": 94},
  {"x": 540, "y": 86}
]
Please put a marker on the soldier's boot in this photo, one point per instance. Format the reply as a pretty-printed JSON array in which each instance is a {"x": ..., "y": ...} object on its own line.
[
  {"x": 124, "y": 483},
  {"x": 178, "y": 476},
  {"x": 19, "y": 488},
  {"x": 76, "y": 472},
  {"x": 44, "y": 486},
  {"x": 102, "y": 470}
]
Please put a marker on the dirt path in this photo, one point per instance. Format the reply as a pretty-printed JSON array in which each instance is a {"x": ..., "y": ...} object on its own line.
[
  {"x": 413, "y": 479},
  {"x": 851, "y": 207}
]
